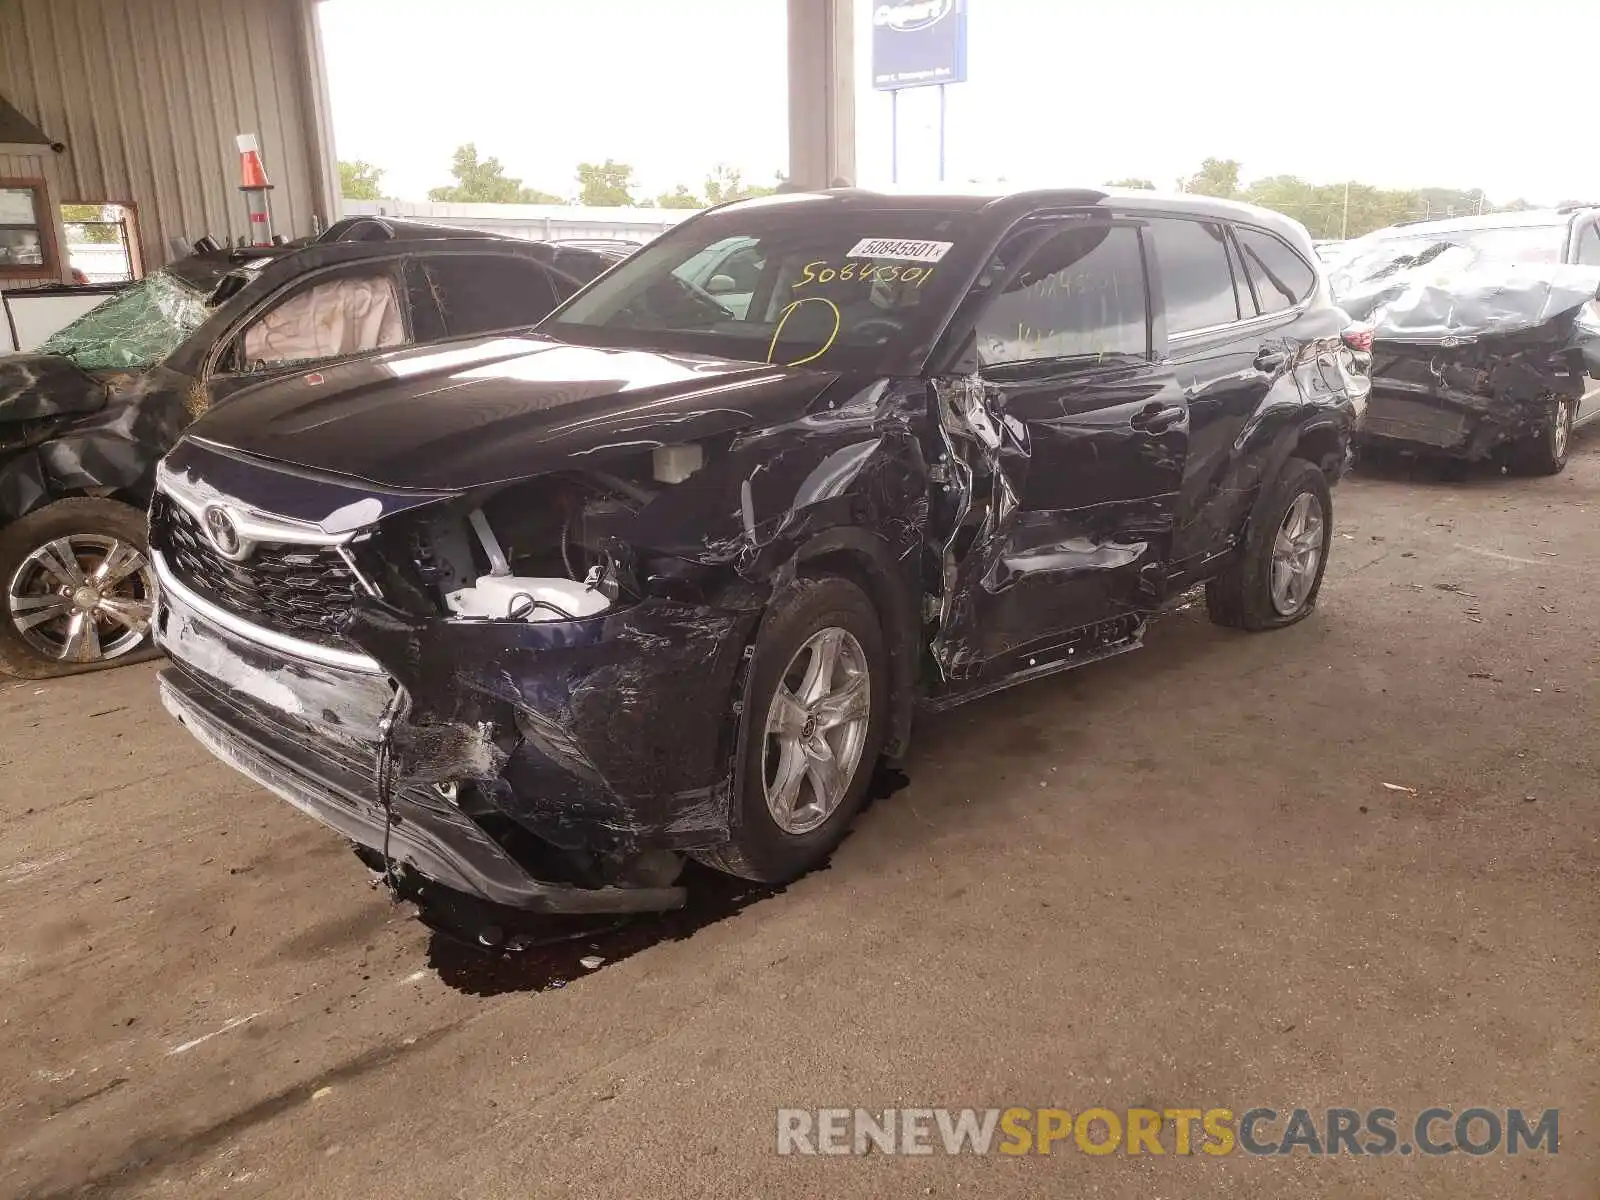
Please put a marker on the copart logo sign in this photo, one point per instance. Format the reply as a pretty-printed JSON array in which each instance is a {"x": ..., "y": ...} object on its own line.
[
  {"x": 919, "y": 42},
  {"x": 907, "y": 18}
]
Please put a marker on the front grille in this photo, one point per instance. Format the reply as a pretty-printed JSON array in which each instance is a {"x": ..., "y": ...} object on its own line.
[{"x": 296, "y": 590}]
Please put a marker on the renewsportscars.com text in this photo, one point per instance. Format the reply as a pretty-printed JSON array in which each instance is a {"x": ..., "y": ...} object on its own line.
[{"x": 1432, "y": 1132}]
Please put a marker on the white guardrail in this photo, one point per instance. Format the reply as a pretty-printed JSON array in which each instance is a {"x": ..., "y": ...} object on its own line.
[{"x": 538, "y": 222}]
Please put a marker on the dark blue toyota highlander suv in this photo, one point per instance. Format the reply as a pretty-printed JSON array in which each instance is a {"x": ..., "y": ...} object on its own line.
[{"x": 532, "y": 618}]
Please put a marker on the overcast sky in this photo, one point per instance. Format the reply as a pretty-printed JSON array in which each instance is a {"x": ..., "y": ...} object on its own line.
[{"x": 1399, "y": 93}]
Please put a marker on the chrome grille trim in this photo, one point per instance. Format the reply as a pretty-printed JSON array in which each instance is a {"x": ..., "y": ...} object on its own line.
[{"x": 328, "y": 656}]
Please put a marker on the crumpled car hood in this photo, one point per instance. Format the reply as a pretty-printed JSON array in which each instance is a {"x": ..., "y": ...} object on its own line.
[
  {"x": 464, "y": 414},
  {"x": 1451, "y": 298},
  {"x": 33, "y": 386}
]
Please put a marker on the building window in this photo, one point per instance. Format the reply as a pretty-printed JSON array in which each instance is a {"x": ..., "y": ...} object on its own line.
[{"x": 27, "y": 239}]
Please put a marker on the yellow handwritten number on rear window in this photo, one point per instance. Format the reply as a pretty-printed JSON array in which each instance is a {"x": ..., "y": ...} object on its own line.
[{"x": 783, "y": 319}]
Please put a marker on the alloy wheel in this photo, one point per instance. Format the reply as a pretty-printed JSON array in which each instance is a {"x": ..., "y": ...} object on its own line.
[
  {"x": 1296, "y": 554},
  {"x": 1562, "y": 429},
  {"x": 83, "y": 598},
  {"x": 816, "y": 730}
]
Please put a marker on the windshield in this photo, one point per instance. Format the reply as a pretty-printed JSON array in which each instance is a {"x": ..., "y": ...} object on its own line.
[
  {"x": 134, "y": 329},
  {"x": 840, "y": 290}
]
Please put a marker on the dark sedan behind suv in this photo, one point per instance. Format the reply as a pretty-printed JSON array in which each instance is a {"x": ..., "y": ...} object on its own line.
[
  {"x": 84, "y": 420},
  {"x": 529, "y": 618}
]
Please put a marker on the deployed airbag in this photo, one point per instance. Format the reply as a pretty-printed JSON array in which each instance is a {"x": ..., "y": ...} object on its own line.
[{"x": 341, "y": 316}]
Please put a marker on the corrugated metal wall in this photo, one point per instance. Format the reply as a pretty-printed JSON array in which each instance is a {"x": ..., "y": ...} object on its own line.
[{"x": 148, "y": 95}]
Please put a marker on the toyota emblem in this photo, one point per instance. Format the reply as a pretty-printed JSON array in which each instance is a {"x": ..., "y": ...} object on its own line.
[{"x": 224, "y": 534}]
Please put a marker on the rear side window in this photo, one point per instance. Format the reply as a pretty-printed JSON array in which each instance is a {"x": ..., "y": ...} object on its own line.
[
  {"x": 1282, "y": 278},
  {"x": 1589, "y": 246},
  {"x": 481, "y": 292},
  {"x": 1194, "y": 274},
  {"x": 1081, "y": 294}
]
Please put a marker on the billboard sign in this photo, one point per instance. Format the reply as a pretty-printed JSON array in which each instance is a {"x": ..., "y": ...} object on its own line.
[{"x": 918, "y": 42}]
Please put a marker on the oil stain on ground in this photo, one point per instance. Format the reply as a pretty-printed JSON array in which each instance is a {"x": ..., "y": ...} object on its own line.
[{"x": 546, "y": 953}]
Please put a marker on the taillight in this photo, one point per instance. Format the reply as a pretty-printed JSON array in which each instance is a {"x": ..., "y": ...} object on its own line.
[{"x": 1358, "y": 337}]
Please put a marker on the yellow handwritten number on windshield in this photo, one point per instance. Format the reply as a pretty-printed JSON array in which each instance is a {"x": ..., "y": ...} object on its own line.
[{"x": 783, "y": 319}]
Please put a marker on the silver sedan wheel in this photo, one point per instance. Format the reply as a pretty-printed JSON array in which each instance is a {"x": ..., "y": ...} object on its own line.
[
  {"x": 83, "y": 598},
  {"x": 1296, "y": 554},
  {"x": 816, "y": 730},
  {"x": 1562, "y": 429}
]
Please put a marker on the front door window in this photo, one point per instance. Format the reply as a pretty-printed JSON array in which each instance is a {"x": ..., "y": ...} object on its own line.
[{"x": 335, "y": 316}]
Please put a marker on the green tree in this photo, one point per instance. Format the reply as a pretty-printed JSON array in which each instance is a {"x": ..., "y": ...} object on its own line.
[
  {"x": 1333, "y": 210},
  {"x": 727, "y": 183},
  {"x": 679, "y": 197},
  {"x": 80, "y": 214},
  {"x": 1142, "y": 184},
  {"x": 606, "y": 185},
  {"x": 1217, "y": 177},
  {"x": 484, "y": 181},
  {"x": 360, "y": 181}
]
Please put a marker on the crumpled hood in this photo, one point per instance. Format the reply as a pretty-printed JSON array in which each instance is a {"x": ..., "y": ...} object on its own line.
[
  {"x": 33, "y": 386},
  {"x": 462, "y": 414},
  {"x": 1451, "y": 298}
]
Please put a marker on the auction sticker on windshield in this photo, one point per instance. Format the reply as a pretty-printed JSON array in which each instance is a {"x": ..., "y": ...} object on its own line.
[{"x": 900, "y": 249}]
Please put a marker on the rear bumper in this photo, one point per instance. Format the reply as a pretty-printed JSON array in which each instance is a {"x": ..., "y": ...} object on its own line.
[
  {"x": 320, "y": 757},
  {"x": 1465, "y": 402},
  {"x": 1433, "y": 423}
]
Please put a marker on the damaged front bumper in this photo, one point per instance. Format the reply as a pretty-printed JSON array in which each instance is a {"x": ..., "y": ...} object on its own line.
[{"x": 310, "y": 732}]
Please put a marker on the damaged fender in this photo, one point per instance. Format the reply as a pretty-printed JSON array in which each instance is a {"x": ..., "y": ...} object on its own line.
[{"x": 85, "y": 435}]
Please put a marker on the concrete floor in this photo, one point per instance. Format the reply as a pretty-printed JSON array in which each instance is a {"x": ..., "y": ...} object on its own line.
[{"x": 1174, "y": 879}]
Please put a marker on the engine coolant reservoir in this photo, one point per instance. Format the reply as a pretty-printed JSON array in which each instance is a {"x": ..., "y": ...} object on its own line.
[{"x": 500, "y": 596}]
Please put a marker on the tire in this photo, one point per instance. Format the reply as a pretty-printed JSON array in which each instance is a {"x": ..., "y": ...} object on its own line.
[
  {"x": 760, "y": 847},
  {"x": 1546, "y": 453},
  {"x": 1242, "y": 596},
  {"x": 86, "y": 534}
]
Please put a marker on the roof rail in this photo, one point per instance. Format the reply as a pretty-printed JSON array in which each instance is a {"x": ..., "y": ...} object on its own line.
[{"x": 1578, "y": 206}]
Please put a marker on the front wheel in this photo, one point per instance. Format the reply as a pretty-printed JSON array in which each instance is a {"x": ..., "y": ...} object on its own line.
[
  {"x": 1275, "y": 579},
  {"x": 1546, "y": 452},
  {"x": 817, "y": 703},
  {"x": 79, "y": 588}
]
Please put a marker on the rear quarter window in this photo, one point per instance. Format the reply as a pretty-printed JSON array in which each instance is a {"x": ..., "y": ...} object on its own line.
[
  {"x": 1195, "y": 277},
  {"x": 1282, "y": 279}
]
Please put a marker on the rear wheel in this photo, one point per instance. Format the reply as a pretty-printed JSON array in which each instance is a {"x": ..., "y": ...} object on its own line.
[
  {"x": 79, "y": 588},
  {"x": 818, "y": 698},
  {"x": 1546, "y": 453},
  {"x": 1275, "y": 579}
]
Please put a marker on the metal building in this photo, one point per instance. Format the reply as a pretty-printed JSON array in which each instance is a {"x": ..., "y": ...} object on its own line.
[
  {"x": 139, "y": 102},
  {"x": 143, "y": 98}
]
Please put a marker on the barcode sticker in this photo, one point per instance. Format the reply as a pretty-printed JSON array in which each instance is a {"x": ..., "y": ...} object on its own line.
[{"x": 900, "y": 250}]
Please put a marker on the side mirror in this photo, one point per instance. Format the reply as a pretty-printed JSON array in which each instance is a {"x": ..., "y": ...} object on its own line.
[{"x": 721, "y": 285}]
